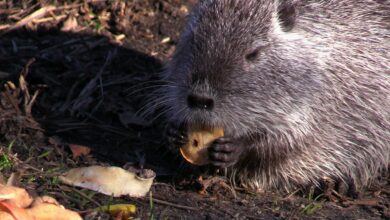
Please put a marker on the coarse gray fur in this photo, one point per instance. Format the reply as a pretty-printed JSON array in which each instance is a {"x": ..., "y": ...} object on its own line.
[{"x": 308, "y": 90}]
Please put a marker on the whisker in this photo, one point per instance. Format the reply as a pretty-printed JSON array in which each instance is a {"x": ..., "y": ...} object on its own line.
[
  {"x": 150, "y": 87},
  {"x": 176, "y": 114},
  {"x": 156, "y": 82},
  {"x": 152, "y": 106},
  {"x": 160, "y": 114}
]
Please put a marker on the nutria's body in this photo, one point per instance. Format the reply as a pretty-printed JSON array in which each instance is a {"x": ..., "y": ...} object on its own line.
[{"x": 301, "y": 88}]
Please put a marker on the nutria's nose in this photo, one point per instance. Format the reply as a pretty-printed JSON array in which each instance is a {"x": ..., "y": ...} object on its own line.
[{"x": 200, "y": 102}]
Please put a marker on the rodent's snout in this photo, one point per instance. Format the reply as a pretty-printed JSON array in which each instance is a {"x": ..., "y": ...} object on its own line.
[{"x": 200, "y": 102}]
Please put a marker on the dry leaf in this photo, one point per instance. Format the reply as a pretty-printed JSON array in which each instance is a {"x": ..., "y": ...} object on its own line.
[
  {"x": 11, "y": 85},
  {"x": 113, "y": 181},
  {"x": 70, "y": 24},
  {"x": 47, "y": 208},
  {"x": 79, "y": 150},
  {"x": 39, "y": 211},
  {"x": 14, "y": 203},
  {"x": 35, "y": 15},
  {"x": 15, "y": 196},
  {"x": 6, "y": 216},
  {"x": 125, "y": 210},
  {"x": 14, "y": 211},
  {"x": 45, "y": 199}
]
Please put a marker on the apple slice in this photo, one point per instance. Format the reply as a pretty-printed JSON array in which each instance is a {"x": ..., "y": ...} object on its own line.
[{"x": 195, "y": 151}]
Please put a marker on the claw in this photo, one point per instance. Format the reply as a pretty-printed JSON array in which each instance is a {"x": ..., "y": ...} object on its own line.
[
  {"x": 176, "y": 136},
  {"x": 225, "y": 152}
]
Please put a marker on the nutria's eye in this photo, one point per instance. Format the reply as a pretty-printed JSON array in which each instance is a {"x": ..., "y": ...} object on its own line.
[{"x": 252, "y": 55}]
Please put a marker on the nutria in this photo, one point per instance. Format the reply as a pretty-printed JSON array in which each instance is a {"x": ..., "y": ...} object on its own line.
[{"x": 301, "y": 89}]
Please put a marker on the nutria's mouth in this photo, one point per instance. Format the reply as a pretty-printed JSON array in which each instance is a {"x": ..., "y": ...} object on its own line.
[
  {"x": 201, "y": 121},
  {"x": 202, "y": 127}
]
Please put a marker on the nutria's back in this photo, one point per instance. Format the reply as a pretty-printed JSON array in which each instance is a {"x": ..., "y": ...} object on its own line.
[{"x": 304, "y": 84}]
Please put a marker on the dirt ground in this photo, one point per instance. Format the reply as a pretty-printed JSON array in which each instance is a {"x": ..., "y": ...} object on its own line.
[{"x": 78, "y": 73}]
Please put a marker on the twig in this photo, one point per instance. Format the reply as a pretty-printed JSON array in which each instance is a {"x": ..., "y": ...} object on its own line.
[
  {"x": 64, "y": 196},
  {"x": 27, "y": 166},
  {"x": 37, "y": 18},
  {"x": 12, "y": 100},
  {"x": 253, "y": 217},
  {"x": 13, "y": 179},
  {"x": 66, "y": 7},
  {"x": 166, "y": 185},
  {"x": 35, "y": 15},
  {"x": 4, "y": 26},
  {"x": 23, "y": 83},
  {"x": 21, "y": 12},
  {"x": 31, "y": 103},
  {"x": 27, "y": 67},
  {"x": 85, "y": 196},
  {"x": 9, "y": 11},
  {"x": 162, "y": 202},
  {"x": 68, "y": 129},
  {"x": 34, "y": 127},
  {"x": 43, "y": 20},
  {"x": 363, "y": 202}
]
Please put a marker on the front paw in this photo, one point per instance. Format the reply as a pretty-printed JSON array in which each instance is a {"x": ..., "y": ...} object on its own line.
[
  {"x": 176, "y": 135},
  {"x": 225, "y": 152}
]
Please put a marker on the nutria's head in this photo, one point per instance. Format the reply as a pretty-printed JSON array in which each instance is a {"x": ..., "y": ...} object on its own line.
[{"x": 242, "y": 65}]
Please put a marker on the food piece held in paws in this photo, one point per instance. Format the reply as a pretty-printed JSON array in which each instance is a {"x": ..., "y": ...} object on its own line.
[{"x": 195, "y": 151}]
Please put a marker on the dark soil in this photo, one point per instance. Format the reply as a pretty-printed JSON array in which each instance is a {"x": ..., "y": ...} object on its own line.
[{"x": 80, "y": 74}]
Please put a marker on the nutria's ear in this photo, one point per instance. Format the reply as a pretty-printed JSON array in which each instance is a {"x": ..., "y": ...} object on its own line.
[{"x": 287, "y": 14}]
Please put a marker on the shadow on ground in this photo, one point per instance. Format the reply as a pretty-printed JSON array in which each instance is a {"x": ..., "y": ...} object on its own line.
[{"x": 91, "y": 91}]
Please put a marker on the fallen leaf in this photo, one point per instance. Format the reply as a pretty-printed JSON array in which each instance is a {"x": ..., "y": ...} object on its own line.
[
  {"x": 363, "y": 202},
  {"x": 15, "y": 196},
  {"x": 35, "y": 15},
  {"x": 79, "y": 150},
  {"x": 11, "y": 85},
  {"x": 45, "y": 199},
  {"x": 70, "y": 24},
  {"x": 6, "y": 216},
  {"x": 16, "y": 212},
  {"x": 215, "y": 181},
  {"x": 14, "y": 203},
  {"x": 47, "y": 208},
  {"x": 125, "y": 211},
  {"x": 113, "y": 181}
]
